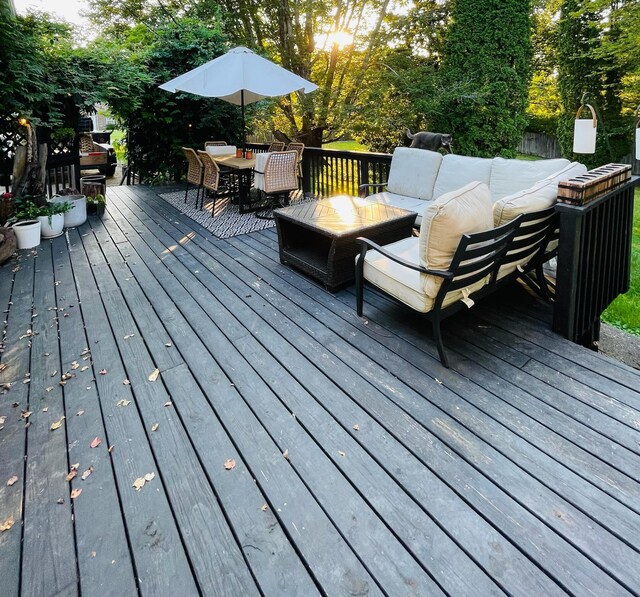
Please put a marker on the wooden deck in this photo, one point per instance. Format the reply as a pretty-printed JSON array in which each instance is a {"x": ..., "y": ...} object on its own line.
[{"x": 362, "y": 466}]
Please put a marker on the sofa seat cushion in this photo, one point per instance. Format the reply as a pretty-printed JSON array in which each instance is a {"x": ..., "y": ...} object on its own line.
[
  {"x": 541, "y": 195},
  {"x": 510, "y": 176},
  {"x": 405, "y": 284},
  {"x": 458, "y": 170},
  {"x": 401, "y": 201},
  {"x": 445, "y": 220},
  {"x": 413, "y": 172}
]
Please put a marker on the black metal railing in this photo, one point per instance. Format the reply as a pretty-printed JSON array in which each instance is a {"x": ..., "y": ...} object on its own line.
[{"x": 594, "y": 262}]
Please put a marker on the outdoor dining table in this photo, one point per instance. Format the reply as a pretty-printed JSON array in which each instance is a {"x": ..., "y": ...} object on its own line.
[{"x": 243, "y": 167}]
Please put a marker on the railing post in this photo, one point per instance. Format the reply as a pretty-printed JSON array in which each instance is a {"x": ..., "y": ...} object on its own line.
[
  {"x": 306, "y": 172},
  {"x": 363, "y": 171}
]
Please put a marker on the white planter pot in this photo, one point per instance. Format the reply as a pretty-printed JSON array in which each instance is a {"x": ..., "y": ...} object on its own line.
[
  {"x": 77, "y": 215},
  {"x": 51, "y": 226},
  {"x": 27, "y": 233}
]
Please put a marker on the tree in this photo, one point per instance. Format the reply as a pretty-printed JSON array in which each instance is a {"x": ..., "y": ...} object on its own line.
[{"x": 488, "y": 58}]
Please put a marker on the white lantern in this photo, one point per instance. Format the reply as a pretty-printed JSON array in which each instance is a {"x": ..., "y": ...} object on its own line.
[{"x": 584, "y": 132}]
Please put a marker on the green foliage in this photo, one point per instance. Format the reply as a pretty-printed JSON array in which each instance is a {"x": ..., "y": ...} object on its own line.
[{"x": 487, "y": 65}]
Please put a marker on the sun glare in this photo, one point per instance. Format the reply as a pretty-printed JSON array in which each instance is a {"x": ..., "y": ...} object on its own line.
[{"x": 342, "y": 39}]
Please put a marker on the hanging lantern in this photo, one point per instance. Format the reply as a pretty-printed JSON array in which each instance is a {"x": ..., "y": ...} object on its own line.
[{"x": 584, "y": 131}]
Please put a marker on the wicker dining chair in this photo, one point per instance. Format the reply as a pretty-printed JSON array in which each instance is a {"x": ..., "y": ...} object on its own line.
[
  {"x": 194, "y": 173},
  {"x": 276, "y": 146},
  {"x": 214, "y": 144},
  {"x": 299, "y": 147},
  {"x": 280, "y": 178},
  {"x": 210, "y": 179}
]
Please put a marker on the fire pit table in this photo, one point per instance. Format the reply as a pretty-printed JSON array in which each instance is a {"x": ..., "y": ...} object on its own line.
[{"x": 319, "y": 237}]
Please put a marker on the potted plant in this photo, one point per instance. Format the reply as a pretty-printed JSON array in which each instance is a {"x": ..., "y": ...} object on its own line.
[
  {"x": 27, "y": 228},
  {"x": 52, "y": 218},
  {"x": 96, "y": 204},
  {"x": 77, "y": 215}
]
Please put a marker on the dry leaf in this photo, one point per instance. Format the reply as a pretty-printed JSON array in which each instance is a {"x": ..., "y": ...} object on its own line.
[
  {"x": 75, "y": 467},
  {"x": 110, "y": 449},
  {"x": 53, "y": 373},
  {"x": 168, "y": 403},
  {"x": 84, "y": 368},
  {"x": 126, "y": 382},
  {"x": 93, "y": 554},
  {"x": 79, "y": 413},
  {"x": 7, "y": 524},
  {"x": 103, "y": 371},
  {"x": 154, "y": 375},
  {"x": 149, "y": 477},
  {"x": 49, "y": 388},
  {"x": 75, "y": 365},
  {"x": 438, "y": 381},
  {"x": 264, "y": 507},
  {"x": 71, "y": 475},
  {"x": 168, "y": 344},
  {"x": 57, "y": 424},
  {"x": 139, "y": 483},
  {"x": 3, "y": 418},
  {"x": 123, "y": 402},
  {"x": 286, "y": 453},
  {"x": 155, "y": 426},
  {"x": 25, "y": 414},
  {"x": 87, "y": 473},
  {"x": 230, "y": 464},
  {"x": 45, "y": 409},
  {"x": 66, "y": 376},
  {"x": 60, "y": 501},
  {"x": 75, "y": 493},
  {"x": 12, "y": 480},
  {"x": 341, "y": 453},
  {"x": 26, "y": 381},
  {"x": 355, "y": 427},
  {"x": 95, "y": 443}
]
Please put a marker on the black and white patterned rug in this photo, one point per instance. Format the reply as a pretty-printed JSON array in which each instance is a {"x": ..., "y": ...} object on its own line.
[{"x": 227, "y": 221}]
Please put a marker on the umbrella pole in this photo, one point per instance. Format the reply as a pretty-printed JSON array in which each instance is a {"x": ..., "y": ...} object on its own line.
[{"x": 244, "y": 132}]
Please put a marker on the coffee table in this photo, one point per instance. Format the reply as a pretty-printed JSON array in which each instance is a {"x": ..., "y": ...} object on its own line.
[{"x": 319, "y": 237}]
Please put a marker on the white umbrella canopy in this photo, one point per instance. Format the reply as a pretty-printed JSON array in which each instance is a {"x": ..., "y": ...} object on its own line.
[{"x": 240, "y": 77}]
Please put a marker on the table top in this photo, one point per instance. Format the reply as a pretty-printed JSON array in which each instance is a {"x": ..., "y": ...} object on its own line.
[
  {"x": 231, "y": 161},
  {"x": 342, "y": 215}
]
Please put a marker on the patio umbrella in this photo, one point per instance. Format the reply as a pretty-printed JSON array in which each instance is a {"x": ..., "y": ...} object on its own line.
[{"x": 240, "y": 77}]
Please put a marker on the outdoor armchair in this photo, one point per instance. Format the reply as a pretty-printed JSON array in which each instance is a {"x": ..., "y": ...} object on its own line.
[
  {"x": 195, "y": 172},
  {"x": 210, "y": 179}
]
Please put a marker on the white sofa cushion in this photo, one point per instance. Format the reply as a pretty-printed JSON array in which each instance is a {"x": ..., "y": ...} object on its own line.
[
  {"x": 511, "y": 176},
  {"x": 401, "y": 282},
  {"x": 541, "y": 195},
  {"x": 413, "y": 172},
  {"x": 401, "y": 201},
  {"x": 445, "y": 220},
  {"x": 459, "y": 170}
]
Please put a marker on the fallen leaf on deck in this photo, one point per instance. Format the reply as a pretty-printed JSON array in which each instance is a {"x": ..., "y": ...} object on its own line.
[
  {"x": 154, "y": 375},
  {"x": 7, "y": 524},
  {"x": 49, "y": 388},
  {"x": 53, "y": 373},
  {"x": 95, "y": 443},
  {"x": 110, "y": 449},
  {"x": 25, "y": 414},
  {"x": 438, "y": 381},
  {"x": 75, "y": 467},
  {"x": 129, "y": 336},
  {"x": 12, "y": 480},
  {"x": 75, "y": 365},
  {"x": 286, "y": 453},
  {"x": 60, "y": 501},
  {"x": 93, "y": 554},
  {"x": 139, "y": 483},
  {"x": 87, "y": 473},
  {"x": 123, "y": 402},
  {"x": 126, "y": 382},
  {"x": 26, "y": 381},
  {"x": 79, "y": 413},
  {"x": 230, "y": 464},
  {"x": 168, "y": 403},
  {"x": 155, "y": 426},
  {"x": 4, "y": 388},
  {"x": 71, "y": 475},
  {"x": 56, "y": 425},
  {"x": 264, "y": 507},
  {"x": 45, "y": 409},
  {"x": 168, "y": 344},
  {"x": 75, "y": 493},
  {"x": 3, "y": 418},
  {"x": 84, "y": 368},
  {"x": 355, "y": 427},
  {"x": 341, "y": 453},
  {"x": 103, "y": 371},
  {"x": 149, "y": 477},
  {"x": 3, "y": 366},
  {"x": 66, "y": 376}
]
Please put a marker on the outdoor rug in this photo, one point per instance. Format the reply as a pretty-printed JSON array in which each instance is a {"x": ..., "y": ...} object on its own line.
[{"x": 228, "y": 221}]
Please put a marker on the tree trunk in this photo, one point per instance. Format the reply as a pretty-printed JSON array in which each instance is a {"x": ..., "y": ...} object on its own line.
[{"x": 30, "y": 168}]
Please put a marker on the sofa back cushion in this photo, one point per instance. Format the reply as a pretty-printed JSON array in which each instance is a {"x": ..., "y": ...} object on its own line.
[
  {"x": 458, "y": 170},
  {"x": 413, "y": 172},
  {"x": 511, "y": 176},
  {"x": 541, "y": 195},
  {"x": 445, "y": 220}
]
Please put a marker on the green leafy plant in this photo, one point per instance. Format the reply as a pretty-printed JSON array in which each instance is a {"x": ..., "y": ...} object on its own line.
[
  {"x": 26, "y": 209},
  {"x": 96, "y": 199}
]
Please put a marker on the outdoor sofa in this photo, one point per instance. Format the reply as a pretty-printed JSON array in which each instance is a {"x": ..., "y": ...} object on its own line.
[{"x": 482, "y": 222}]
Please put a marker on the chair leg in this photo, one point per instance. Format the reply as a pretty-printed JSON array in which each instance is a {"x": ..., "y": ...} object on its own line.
[
  {"x": 359, "y": 284},
  {"x": 542, "y": 282},
  {"x": 438, "y": 338},
  {"x": 213, "y": 207},
  {"x": 186, "y": 192}
]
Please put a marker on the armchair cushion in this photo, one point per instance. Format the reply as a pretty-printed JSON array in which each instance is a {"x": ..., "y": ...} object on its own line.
[
  {"x": 401, "y": 201},
  {"x": 510, "y": 176},
  {"x": 405, "y": 284},
  {"x": 458, "y": 170},
  {"x": 445, "y": 220},
  {"x": 413, "y": 172}
]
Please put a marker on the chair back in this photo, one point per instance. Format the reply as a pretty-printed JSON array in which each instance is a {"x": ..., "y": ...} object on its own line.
[
  {"x": 194, "y": 173},
  {"x": 214, "y": 144},
  {"x": 211, "y": 175},
  {"x": 280, "y": 172},
  {"x": 299, "y": 147},
  {"x": 86, "y": 143},
  {"x": 276, "y": 146}
]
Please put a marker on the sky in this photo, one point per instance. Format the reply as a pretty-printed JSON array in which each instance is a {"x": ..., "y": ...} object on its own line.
[{"x": 67, "y": 9}]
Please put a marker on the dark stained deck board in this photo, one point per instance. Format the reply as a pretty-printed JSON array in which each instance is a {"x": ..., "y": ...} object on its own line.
[
  {"x": 395, "y": 566},
  {"x": 100, "y": 531},
  {"x": 518, "y": 474},
  {"x": 48, "y": 552}
]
